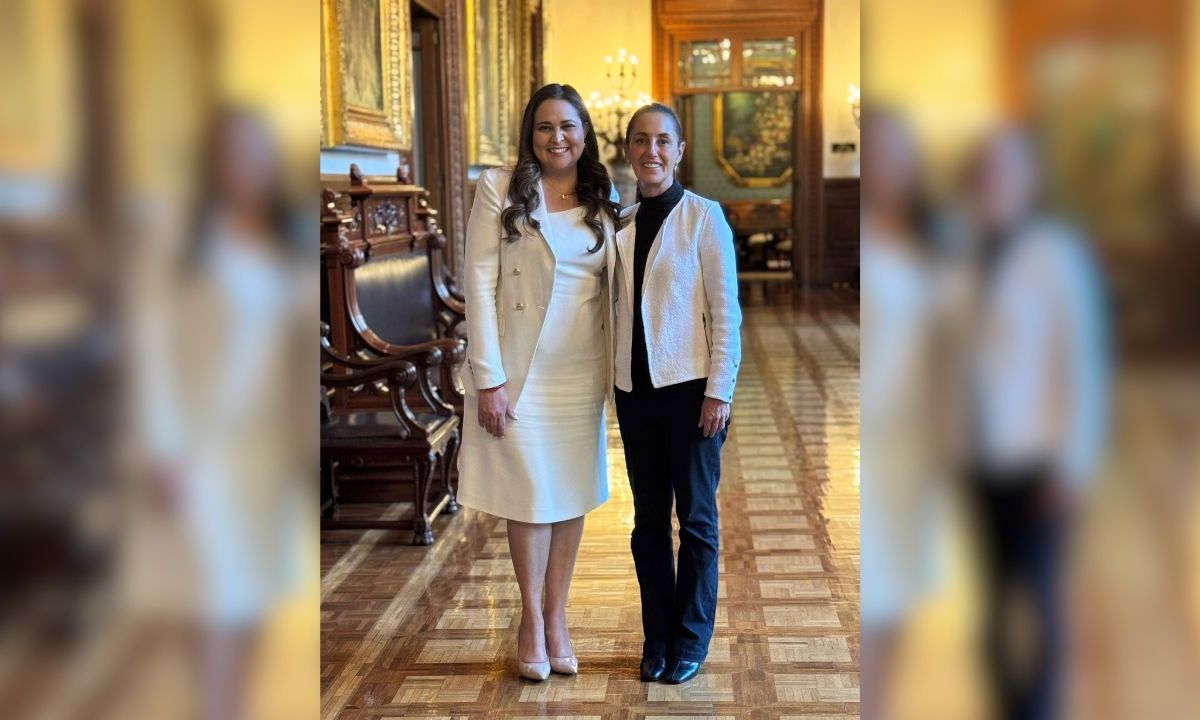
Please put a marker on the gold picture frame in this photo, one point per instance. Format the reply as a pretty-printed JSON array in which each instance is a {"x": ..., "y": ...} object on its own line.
[
  {"x": 752, "y": 136},
  {"x": 487, "y": 48},
  {"x": 499, "y": 77},
  {"x": 366, "y": 74}
]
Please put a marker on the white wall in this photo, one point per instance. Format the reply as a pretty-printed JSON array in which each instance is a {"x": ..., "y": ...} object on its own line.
[
  {"x": 579, "y": 34},
  {"x": 840, "y": 67}
]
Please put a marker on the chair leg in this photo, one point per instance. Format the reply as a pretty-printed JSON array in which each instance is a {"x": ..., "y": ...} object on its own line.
[
  {"x": 422, "y": 526},
  {"x": 449, "y": 466},
  {"x": 329, "y": 488}
]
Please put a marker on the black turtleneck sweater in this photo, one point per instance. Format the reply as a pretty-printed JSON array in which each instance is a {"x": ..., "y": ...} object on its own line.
[{"x": 648, "y": 221}]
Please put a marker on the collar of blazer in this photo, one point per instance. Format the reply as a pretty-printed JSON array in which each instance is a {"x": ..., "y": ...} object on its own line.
[
  {"x": 542, "y": 215},
  {"x": 627, "y": 233},
  {"x": 627, "y": 236}
]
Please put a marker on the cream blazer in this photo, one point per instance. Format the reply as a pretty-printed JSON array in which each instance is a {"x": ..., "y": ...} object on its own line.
[{"x": 509, "y": 286}]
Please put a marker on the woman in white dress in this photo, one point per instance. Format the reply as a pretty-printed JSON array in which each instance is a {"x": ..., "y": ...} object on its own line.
[
  {"x": 908, "y": 378},
  {"x": 538, "y": 270},
  {"x": 215, "y": 396}
]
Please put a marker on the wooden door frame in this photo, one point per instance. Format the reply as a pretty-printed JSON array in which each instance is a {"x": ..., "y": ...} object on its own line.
[
  {"x": 446, "y": 139},
  {"x": 433, "y": 149},
  {"x": 805, "y": 23}
]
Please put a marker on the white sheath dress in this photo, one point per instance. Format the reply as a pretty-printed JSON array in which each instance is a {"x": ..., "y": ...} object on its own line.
[{"x": 550, "y": 464}]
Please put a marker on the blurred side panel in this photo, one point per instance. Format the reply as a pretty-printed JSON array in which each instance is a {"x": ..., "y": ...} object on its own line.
[{"x": 158, "y": 170}]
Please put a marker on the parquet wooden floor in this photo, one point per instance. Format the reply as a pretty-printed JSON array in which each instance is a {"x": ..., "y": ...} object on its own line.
[{"x": 430, "y": 632}]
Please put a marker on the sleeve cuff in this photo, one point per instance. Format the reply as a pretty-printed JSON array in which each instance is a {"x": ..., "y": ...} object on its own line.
[
  {"x": 486, "y": 377},
  {"x": 724, "y": 394}
]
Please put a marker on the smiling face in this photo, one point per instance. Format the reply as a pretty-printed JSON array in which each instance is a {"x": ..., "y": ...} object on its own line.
[
  {"x": 558, "y": 136},
  {"x": 654, "y": 150}
]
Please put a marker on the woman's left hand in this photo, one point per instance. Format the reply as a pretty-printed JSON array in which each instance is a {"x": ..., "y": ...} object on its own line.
[{"x": 714, "y": 416}]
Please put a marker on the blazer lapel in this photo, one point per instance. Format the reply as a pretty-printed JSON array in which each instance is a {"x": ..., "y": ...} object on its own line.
[
  {"x": 542, "y": 215},
  {"x": 610, "y": 250},
  {"x": 625, "y": 241}
]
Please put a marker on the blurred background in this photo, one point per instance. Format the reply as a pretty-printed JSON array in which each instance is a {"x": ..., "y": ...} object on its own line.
[
  {"x": 158, "y": 550},
  {"x": 1030, "y": 464}
]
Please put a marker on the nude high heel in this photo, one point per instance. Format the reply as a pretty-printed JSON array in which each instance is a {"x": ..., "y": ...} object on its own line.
[
  {"x": 531, "y": 670},
  {"x": 534, "y": 670},
  {"x": 565, "y": 665}
]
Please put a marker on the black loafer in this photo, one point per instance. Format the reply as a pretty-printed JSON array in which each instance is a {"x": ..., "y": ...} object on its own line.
[
  {"x": 653, "y": 668},
  {"x": 681, "y": 671}
]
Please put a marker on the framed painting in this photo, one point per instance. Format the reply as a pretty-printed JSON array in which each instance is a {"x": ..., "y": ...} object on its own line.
[
  {"x": 504, "y": 60},
  {"x": 490, "y": 86},
  {"x": 752, "y": 136},
  {"x": 366, "y": 74}
]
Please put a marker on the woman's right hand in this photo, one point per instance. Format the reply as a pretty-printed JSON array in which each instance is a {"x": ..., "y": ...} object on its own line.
[{"x": 495, "y": 411}]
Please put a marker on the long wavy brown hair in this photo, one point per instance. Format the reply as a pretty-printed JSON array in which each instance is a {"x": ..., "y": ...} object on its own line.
[{"x": 593, "y": 186}]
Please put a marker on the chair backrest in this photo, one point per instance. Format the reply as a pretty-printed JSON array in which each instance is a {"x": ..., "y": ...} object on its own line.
[
  {"x": 385, "y": 286},
  {"x": 396, "y": 297}
]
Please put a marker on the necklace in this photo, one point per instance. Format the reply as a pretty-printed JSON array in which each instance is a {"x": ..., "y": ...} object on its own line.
[{"x": 561, "y": 194}]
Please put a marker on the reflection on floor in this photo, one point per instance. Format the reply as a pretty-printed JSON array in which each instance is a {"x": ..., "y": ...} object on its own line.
[{"x": 430, "y": 632}]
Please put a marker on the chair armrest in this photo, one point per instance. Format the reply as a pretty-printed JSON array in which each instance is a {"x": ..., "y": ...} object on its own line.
[
  {"x": 402, "y": 372},
  {"x": 400, "y": 375},
  {"x": 426, "y": 354},
  {"x": 445, "y": 353}
]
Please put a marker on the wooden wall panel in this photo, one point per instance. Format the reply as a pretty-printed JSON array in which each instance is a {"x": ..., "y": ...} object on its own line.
[
  {"x": 682, "y": 12},
  {"x": 840, "y": 245},
  {"x": 455, "y": 57},
  {"x": 1134, "y": 211}
]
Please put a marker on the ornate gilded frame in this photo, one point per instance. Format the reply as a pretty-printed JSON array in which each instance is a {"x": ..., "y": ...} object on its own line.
[
  {"x": 490, "y": 84},
  {"x": 342, "y": 121},
  {"x": 718, "y": 125}
]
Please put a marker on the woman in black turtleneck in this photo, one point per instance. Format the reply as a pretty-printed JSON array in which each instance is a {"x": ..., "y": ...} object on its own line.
[
  {"x": 677, "y": 322},
  {"x": 649, "y": 219}
]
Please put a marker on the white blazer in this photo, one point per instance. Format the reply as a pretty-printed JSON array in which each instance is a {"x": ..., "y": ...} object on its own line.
[
  {"x": 509, "y": 286},
  {"x": 690, "y": 308}
]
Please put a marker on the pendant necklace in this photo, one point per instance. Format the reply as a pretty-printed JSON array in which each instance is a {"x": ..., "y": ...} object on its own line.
[{"x": 562, "y": 195}]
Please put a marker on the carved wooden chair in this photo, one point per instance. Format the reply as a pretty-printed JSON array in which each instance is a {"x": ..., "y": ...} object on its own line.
[{"x": 386, "y": 297}]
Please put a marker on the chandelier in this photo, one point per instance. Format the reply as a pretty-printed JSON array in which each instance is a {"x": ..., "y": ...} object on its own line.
[{"x": 611, "y": 112}]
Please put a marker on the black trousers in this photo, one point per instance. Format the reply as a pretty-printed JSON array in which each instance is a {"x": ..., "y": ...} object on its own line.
[
  {"x": 1022, "y": 538},
  {"x": 668, "y": 458}
]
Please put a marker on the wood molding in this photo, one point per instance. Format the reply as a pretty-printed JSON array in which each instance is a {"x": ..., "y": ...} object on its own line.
[
  {"x": 808, "y": 205},
  {"x": 746, "y": 11},
  {"x": 454, "y": 63}
]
